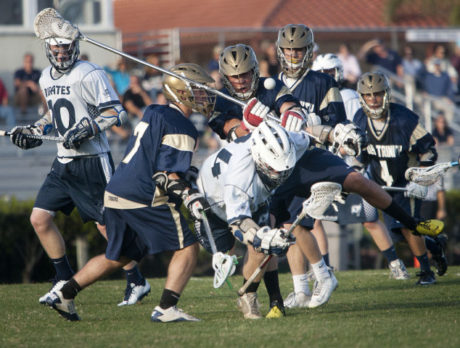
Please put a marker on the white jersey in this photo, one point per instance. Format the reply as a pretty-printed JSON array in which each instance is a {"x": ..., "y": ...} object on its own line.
[
  {"x": 80, "y": 93},
  {"x": 351, "y": 102},
  {"x": 229, "y": 181}
]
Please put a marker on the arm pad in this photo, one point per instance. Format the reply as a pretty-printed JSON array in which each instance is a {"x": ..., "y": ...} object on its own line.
[
  {"x": 45, "y": 124},
  {"x": 244, "y": 230},
  {"x": 109, "y": 118},
  {"x": 320, "y": 133}
]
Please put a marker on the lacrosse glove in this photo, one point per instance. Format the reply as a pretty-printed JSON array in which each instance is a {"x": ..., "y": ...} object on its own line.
[
  {"x": 196, "y": 203},
  {"x": 79, "y": 133},
  {"x": 19, "y": 137},
  {"x": 254, "y": 113},
  {"x": 271, "y": 241},
  {"x": 416, "y": 191}
]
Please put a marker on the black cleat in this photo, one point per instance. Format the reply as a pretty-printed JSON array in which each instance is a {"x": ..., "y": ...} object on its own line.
[{"x": 426, "y": 278}]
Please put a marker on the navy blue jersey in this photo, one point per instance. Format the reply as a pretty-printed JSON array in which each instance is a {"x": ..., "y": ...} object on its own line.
[
  {"x": 226, "y": 110},
  {"x": 398, "y": 146},
  {"x": 164, "y": 140},
  {"x": 318, "y": 93}
]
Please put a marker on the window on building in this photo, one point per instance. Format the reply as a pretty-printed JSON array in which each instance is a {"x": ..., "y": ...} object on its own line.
[{"x": 10, "y": 12}]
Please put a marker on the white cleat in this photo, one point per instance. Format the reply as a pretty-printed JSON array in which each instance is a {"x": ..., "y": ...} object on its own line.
[
  {"x": 171, "y": 314},
  {"x": 323, "y": 290},
  {"x": 249, "y": 305},
  {"x": 64, "y": 307},
  {"x": 297, "y": 300},
  {"x": 57, "y": 286},
  {"x": 134, "y": 293},
  {"x": 398, "y": 270}
]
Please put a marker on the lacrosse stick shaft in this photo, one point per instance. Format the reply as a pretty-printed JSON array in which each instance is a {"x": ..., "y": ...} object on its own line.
[
  {"x": 207, "y": 228},
  {"x": 4, "y": 133},
  {"x": 391, "y": 188},
  {"x": 253, "y": 276}
]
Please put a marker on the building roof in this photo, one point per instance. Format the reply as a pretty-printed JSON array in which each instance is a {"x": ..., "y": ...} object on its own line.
[{"x": 134, "y": 16}]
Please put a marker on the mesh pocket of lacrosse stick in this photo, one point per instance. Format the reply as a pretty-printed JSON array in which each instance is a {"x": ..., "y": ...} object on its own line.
[
  {"x": 322, "y": 196},
  {"x": 427, "y": 176},
  {"x": 49, "y": 23},
  {"x": 224, "y": 266}
]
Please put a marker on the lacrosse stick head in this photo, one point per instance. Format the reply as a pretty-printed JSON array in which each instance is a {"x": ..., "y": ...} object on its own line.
[
  {"x": 426, "y": 176},
  {"x": 322, "y": 196},
  {"x": 49, "y": 23},
  {"x": 224, "y": 266}
]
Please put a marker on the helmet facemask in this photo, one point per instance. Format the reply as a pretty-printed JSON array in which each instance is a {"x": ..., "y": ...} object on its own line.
[
  {"x": 371, "y": 83},
  {"x": 62, "y": 53},
  {"x": 290, "y": 37},
  {"x": 235, "y": 61}
]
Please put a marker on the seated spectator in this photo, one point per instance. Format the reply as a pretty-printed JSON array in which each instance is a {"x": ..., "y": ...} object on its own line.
[
  {"x": 27, "y": 90},
  {"x": 152, "y": 79},
  {"x": 351, "y": 69},
  {"x": 120, "y": 76},
  {"x": 413, "y": 67},
  {"x": 440, "y": 57},
  {"x": 438, "y": 84},
  {"x": 6, "y": 111},
  {"x": 376, "y": 53},
  {"x": 136, "y": 99},
  {"x": 442, "y": 133}
]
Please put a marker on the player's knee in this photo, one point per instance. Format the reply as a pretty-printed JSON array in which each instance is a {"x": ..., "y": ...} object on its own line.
[{"x": 40, "y": 220}]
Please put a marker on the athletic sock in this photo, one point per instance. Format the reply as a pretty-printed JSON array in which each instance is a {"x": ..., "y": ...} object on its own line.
[
  {"x": 433, "y": 246},
  {"x": 390, "y": 254},
  {"x": 326, "y": 259},
  {"x": 252, "y": 287},
  {"x": 273, "y": 286},
  {"x": 70, "y": 289},
  {"x": 320, "y": 270},
  {"x": 169, "y": 298},
  {"x": 133, "y": 275},
  {"x": 300, "y": 283},
  {"x": 397, "y": 212},
  {"x": 424, "y": 262},
  {"x": 63, "y": 269}
]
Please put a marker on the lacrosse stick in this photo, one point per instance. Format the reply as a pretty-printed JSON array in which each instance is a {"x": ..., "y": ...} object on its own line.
[
  {"x": 4, "y": 133},
  {"x": 224, "y": 265},
  {"x": 391, "y": 188},
  {"x": 321, "y": 197},
  {"x": 49, "y": 23},
  {"x": 427, "y": 176}
]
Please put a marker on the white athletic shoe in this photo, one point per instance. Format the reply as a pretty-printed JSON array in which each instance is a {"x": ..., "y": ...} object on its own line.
[
  {"x": 64, "y": 307},
  {"x": 297, "y": 300},
  {"x": 172, "y": 314},
  {"x": 323, "y": 290},
  {"x": 398, "y": 270},
  {"x": 249, "y": 305},
  {"x": 57, "y": 286},
  {"x": 135, "y": 293}
]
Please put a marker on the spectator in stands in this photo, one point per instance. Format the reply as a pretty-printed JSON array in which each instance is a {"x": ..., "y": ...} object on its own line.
[
  {"x": 268, "y": 65},
  {"x": 376, "y": 53},
  {"x": 119, "y": 76},
  {"x": 441, "y": 131},
  {"x": 152, "y": 79},
  {"x": 213, "y": 64},
  {"x": 440, "y": 57},
  {"x": 26, "y": 84},
  {"x": 6, "y": 111},
  {"x": 438, "y": 84},
  {"x": 351, "y": 69},
  {"x": 413, "y": 67},
  {"x": 136, "y": 99}
]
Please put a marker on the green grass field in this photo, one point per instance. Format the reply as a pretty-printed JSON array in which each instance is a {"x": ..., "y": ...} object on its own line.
[{"x": 367, "y": 309}]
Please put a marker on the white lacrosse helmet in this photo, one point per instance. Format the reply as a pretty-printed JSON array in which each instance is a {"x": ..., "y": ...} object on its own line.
[
  {"x": 273, "y": 153},
  {"x": 62, "y": 53},
  {"x": 329, "y": 64}
]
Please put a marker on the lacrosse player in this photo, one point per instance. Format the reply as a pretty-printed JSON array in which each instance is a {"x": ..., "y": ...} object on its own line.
[
  {"x": 237, "y": 181},
  {"x": 143, "y": 197},
  {"x": 82, "y": 105},
  {"x": 396, "y": 141}
]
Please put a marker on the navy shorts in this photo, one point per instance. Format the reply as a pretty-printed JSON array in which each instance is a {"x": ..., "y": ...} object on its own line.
[
  {"x": 314, "y": 166},
  {"x": 221, "y": 232},
  {"x": 135, "y": 233},
  {"x": 413, "y": 209},
  {"x": 80, "y": 183}
]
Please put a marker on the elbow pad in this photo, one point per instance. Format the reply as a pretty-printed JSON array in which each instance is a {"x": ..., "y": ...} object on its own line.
[
  {"x": 321, "y": 133},
  {"x": 107, "y": 120},
  {"x": 244, "y": 230},
  {"x": 428, "y": 158}
]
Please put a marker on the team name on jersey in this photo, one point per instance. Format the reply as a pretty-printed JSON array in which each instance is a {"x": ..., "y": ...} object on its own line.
[
  {"x": 53, "y": 90},
  {"x": 307, "y": 106},
  {"x": 384, "y": 151}
]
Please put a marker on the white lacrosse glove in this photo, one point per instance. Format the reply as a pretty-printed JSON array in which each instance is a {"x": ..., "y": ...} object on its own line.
[
  {"x": 254, "y": 113},
  {"x": 292, "y": 120},
  {"x": 350, "y": 138},
  {"x": 19, "y": 137},
  {"x": 196, "y": 203},
  {"x": 271, "y": 241},
  {"x": 313, "y": 119},
  {"x": 79, "y": 132},
  {"x": 416, "y": 191}
]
